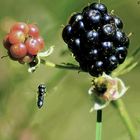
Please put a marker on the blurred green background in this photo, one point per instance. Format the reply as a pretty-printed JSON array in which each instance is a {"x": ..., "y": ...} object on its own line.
[{"x": 65, "y": 114}]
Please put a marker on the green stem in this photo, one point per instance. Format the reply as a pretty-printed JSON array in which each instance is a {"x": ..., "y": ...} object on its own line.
[
  {"x": 61, "y": 66},
  {"x": 119, "y": 105},
  {"x": 99, "y": 125}
]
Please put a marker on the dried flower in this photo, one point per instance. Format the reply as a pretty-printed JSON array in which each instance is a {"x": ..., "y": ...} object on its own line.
[
  {"x": 36, "y": 62},
  {"x": 106, "y": 89}
]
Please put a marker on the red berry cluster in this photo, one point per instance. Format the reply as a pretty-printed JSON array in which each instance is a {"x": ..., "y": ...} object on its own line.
[{"x": 23, "y": 42}]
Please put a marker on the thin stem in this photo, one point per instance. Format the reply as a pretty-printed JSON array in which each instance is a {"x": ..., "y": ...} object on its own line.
[
  {"x": 4, "y": 56},
  {"x": 61, "y": 66},
  {"x": 126, "y": 119},
  {"x": 99, "y": 125}
]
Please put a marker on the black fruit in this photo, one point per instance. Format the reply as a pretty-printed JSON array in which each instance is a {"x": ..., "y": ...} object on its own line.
[
  {"x": 67, "y": 33},
  {"x": 75, "y": 18},
  {"x": 92, "y": 18},
  {"x": 99, "y": 6},
  {"x": 96, "y": 39},
  {"x": 118, "y": 22}
]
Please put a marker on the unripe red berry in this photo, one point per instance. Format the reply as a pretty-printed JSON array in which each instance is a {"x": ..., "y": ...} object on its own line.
[
  {"x": 16, "y": 37},
  {"x": 11, "y": 57},
  {"x": 20, "y": 26},
  {"x": 23, "y": 42},
  {"x": 33, "y": 46},
  {"x": 41, "y": 42},
  {"x": 33, "y": 30},
  {"x": 18, "y": 50},
  {"x": 6, "y": 42}
]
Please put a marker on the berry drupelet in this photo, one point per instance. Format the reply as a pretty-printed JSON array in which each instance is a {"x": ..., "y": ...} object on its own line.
[
  {"x": 96, "y": 39},
  {"x": 23, "y": 42}
]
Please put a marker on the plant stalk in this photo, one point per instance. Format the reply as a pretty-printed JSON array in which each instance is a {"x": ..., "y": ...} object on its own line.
[
  {"x": 99, "y": 125},
  {"x": 61, "y": 66},
  {"x": 119, "y": 105}
]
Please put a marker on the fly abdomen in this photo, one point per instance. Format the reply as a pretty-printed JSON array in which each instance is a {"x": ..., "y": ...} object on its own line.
[{"x": 40, "y": 101}]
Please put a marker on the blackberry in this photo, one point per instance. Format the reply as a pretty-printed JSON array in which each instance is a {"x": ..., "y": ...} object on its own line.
[
  {"x": 121, "y": 53},
  {"x": 97, "y": 40},
  {"x": 85, "y": 9},
  {"x": 75, "y": 18},
  {"x": 120, "y": 37},
  {"x": 107, "y": 19},
  {"x": 74, "y": 45},
  {"x": 92, "y": 18},
  {"x": 99, "y": 6},
  {"x": 108, "y": 30},
  {"x": 78, "y": 28},
  {"x": 107, "y": 48},
  {"x": 67, "y": 33},
  {"x": 118, "y": 22},
  {"x": 92, "y": 37},
  {"x": 93, "y": 54}
]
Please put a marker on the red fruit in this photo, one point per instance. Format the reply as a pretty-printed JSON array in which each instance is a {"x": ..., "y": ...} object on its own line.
[
  {"x": 16, "y": 37},
  {"x": 41, "y": 42},
  {"x": 6, "y": 42},
  {"x": 33, "y": 46},
  {"x": 26, "y": 59},
  {"x": 18, "y": 50},
  {"x": 33, "y": 30},
  {"x": 11, "y": 57},
  {"x": 20, "y": 26}
]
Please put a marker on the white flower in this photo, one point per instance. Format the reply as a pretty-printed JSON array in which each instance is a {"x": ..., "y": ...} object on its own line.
[{"x": 113, "y": 89}]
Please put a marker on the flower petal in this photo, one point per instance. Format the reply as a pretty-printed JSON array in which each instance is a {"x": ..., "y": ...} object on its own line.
[
  {"x": 99, "y": 106},
  {"x": 46, "y": 53},
  {"x": 121, "y": 89},
  {"x": 115, "y": 89}
]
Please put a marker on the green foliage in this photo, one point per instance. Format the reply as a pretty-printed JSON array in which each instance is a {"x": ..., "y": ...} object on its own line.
[{"x": 65, "y": 114}]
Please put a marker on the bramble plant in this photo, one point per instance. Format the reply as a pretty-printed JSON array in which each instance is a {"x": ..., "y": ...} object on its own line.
[{"x": 97, "y": 41}]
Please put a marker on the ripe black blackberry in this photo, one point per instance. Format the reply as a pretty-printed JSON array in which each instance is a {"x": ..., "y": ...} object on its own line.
[{"x": 96, "y": 39}]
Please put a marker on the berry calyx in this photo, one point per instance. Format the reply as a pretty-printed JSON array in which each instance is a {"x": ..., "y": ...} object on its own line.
[{"x": 26, "y": 59}]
